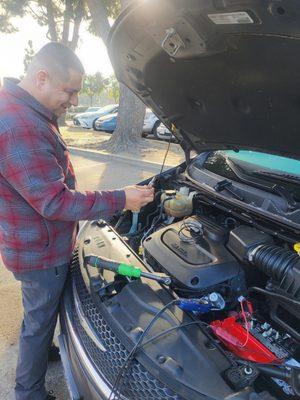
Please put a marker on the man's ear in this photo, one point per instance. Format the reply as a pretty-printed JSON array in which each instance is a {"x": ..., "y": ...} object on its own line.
[{"x": 42, "y": 77}]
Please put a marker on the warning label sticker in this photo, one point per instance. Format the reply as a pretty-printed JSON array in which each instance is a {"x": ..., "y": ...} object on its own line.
[{"x": 240, "y": 17}]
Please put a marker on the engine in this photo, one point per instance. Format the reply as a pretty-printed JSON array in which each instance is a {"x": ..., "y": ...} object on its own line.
[
  {"x": 241, "y": 281},
  {"x": 194, "y": 253}
]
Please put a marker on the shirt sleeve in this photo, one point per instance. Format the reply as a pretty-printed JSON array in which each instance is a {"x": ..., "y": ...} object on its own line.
[{"x": 29, "y": 164}]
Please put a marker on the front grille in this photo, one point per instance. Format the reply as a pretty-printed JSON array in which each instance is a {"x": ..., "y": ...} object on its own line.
[{"x": 138, "y": 383}]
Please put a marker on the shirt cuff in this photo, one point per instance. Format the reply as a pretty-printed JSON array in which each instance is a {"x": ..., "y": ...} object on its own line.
[{"x": 119, "y": 199}]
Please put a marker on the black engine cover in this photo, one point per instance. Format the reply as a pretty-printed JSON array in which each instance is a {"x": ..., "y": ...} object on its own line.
[{"x": 194, "y": 265}]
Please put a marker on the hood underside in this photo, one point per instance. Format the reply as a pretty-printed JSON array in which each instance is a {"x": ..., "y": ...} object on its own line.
[{"x": 226, "y": 74}]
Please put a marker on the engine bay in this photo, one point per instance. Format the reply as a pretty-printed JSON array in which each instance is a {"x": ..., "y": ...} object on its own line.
[{"x": 239, "y": 281}]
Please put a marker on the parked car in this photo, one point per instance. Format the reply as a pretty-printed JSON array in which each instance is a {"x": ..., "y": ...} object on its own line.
[
  {"x": 212, "y": 308},
  {"x": 163, "y": 133},
  {"x": 107, "y": 123},
  {"x": 87, "y": 119},
  {"x": 151, "y": 123},
  {"x": 72, "y": 111}
]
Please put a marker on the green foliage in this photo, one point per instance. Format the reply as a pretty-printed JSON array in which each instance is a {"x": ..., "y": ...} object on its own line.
[
  {"x": 29, "y": 53},
  {"x": 93, "y": 85},
  {"x": 9, "y": 9},
  {"x": 113, "y": 7},
  {"x": 5, "y": 25},
  {"x": 57, "y": 15},
  {"x": 52, "y": 12},
  {"x": 113, "y": 88}
]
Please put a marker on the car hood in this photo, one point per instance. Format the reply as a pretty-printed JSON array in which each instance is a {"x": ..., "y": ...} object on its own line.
[
  {"x": 88, "y": 114},
  {"x": 225, "y": 73},
  {"x": 107, "y": 117}
]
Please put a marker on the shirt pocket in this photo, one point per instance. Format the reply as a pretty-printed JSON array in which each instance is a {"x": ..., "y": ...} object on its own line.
[{"x": 28, "y": 236}]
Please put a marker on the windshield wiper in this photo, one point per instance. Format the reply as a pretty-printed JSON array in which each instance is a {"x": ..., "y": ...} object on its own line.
[
  {"x": 227, "y": 185},
  {"x": 281, "y": 191},
  {"x": 282, "y": 177},
  {"x": 286, "y": 195}
]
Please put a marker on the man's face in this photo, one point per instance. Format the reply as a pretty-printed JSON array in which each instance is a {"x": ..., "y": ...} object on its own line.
[{"x": 58, "y": 95}]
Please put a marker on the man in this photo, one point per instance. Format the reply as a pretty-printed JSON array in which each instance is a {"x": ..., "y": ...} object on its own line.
[{"x": 39, "y": 205}]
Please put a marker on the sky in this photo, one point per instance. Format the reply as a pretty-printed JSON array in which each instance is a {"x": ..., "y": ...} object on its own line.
[{"x": 91, "y": 49}]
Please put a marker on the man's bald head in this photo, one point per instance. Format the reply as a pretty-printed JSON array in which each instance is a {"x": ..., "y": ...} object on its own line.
[
  {"x": 54, "y": 77},
  {"x": 57, "y": 59}
]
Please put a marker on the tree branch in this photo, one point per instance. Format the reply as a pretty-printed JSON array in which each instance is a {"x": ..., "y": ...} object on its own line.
[{"x": 33, "y": 13}]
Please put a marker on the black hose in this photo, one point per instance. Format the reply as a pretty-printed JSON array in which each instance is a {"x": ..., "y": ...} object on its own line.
[
  {"x": 274, "y": 372},
  {"x": 291, "y": 376},
  {"x": 275, "y": 295},
  {"x": 274, "y": 261}
]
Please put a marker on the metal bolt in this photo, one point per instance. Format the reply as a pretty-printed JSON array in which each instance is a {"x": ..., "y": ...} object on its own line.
[
  {"x": 210, "y": 345},
  {"x": 248, "y": 370},
  {"x": 162, "y": 359}
]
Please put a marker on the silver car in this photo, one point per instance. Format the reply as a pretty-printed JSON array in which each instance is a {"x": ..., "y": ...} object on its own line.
[
  {"x": 163, "y": 133},
  {"x": 87, "y": 119}
]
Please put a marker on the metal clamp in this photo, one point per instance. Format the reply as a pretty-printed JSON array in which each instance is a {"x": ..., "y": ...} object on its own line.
[{"x": 172, "y": 42}]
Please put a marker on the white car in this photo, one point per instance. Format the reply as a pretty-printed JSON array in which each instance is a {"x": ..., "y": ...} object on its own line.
[
  {"x": 163, "y": 133},
  {"x": 151, "y": 123},
  {"x": 87, "y": 119}
]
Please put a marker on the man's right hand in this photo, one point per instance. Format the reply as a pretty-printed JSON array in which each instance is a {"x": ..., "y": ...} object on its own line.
[{"x": 138, "y": 196}]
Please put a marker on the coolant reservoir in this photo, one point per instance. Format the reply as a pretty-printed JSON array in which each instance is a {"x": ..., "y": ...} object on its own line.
[{"x": 178, "y": 203}]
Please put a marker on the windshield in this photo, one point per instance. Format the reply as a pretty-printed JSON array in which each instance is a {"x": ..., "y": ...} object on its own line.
[
  {"x": 108, "y": 109},
  {"x": 254, "y": 161},
  {"x": 266, "y": 162},
  {"x": 258, "y": 167}
]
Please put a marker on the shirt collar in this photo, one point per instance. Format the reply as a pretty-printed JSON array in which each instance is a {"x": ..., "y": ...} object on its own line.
[{"x": 11, "y": 85}]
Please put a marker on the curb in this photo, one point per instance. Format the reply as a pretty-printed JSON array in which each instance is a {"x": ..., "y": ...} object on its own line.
[{"x": 108, "y": 157}]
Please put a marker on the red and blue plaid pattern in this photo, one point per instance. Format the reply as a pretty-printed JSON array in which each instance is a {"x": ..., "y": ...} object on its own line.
[{"x": 39, "y": 204}]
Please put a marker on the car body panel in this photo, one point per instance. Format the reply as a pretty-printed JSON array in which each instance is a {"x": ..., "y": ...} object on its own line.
[
  {"x": 163, "y": 132},
  {"x": 149, "y": 122},
  {"x": 111, "y": 324},
  {"x": 84, "y": 380},
  {"x": 107, "y": 123}
]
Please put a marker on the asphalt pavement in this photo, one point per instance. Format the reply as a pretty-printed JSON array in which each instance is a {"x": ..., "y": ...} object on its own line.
[{"x": 94, "y": 172}]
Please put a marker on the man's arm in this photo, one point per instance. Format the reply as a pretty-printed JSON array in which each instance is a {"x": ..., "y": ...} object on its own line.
[{"x": 28, "y": 164}]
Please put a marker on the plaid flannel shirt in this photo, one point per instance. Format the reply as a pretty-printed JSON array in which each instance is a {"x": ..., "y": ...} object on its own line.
[{"x": 39, "y": 204}]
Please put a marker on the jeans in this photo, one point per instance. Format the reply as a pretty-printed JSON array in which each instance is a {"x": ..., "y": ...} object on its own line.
[{"x": 41, "y": 293}]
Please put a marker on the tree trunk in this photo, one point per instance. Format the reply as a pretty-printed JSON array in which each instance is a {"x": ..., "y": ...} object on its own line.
[
  {"x": 51, "y": 21},
  {"x": 99, "y": 18},
  {"x": 66, "y": 25},
  {"x": 79, "y": 13},
  {"x": 128, "y": 133}
]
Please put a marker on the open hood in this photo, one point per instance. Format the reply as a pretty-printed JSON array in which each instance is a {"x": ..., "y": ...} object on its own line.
[{"x": 225, "y": 73}]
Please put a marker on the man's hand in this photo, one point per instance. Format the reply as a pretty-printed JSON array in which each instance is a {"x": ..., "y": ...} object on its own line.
[{"x": 138, "y": 196}]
